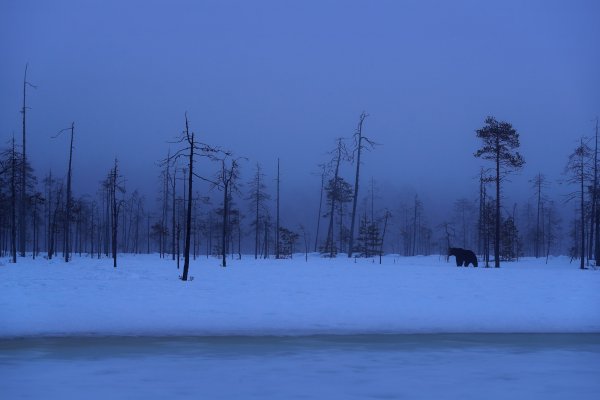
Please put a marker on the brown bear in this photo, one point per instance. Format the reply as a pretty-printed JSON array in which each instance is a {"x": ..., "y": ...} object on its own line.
[{"x": 463, "y": 257}]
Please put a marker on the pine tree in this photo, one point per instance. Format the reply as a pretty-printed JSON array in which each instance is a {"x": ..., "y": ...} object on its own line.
[
  {"x": 287, "y": 242},
  {"x": 500, "y": 141},
  {"x": 339, "y": 193},
  {"x": 510, "y": 240},
  {"x": 369, "y": 239}
]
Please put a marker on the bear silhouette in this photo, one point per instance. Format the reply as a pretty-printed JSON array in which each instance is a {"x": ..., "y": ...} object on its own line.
[{"x": 463, "y": 257}]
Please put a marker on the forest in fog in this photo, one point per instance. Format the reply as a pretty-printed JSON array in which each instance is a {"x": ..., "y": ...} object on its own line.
[{"x": 201, "y": 206}]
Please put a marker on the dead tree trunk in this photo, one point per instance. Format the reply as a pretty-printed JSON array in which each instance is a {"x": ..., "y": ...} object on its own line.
[
  {"x": 226, "y": 181},
  {"x": 69, "y": 199},
  {"x": 330, "y": 244},
  {"x": 358, "y": 137},
  {"x": 594, "y": 199},
  {"x": 596, "y": 219},
  {"x": 323, "y": 174},
  {"x": 225, "y": 210},
  {"x": 277, "y": 217},
  {"x": 115, "y": 209},
  {"x": 186, "y": 262},
  {"x": 23, "y": 202},
  {"x": 13, "y": 202}
]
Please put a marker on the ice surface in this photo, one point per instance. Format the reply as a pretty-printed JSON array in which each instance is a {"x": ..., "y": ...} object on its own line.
[
  {"x": 465, "y": 366},
  {"x": 144, "y": 296}
]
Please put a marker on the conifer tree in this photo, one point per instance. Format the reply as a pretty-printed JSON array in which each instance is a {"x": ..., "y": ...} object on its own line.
[{"x": 500, "y": 144}]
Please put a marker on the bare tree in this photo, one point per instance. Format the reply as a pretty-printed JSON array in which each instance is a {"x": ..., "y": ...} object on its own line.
[
  {"x": 49, "y": 184},
  {"x": 577, "y": 169},
  {"x": 485, "y": 218},
  {"x": 55, "y": 221},
  {"x": 417, "y": 209},
  {"x": 319, "y": 216},
  {"x": 114, "y": 184},
  {"x": 22, "y": 205},
  {"x": 13, "y": 200},
  {"x": 338, "y": 154},
  {"x": 226, "y": 181},
  {"x": 358, "y": 147},
  {"x": 68, "y": 206},
  {"x": 595, "y": 217},
  {"x": 386, "y": 217},
  {"x": 173, "y": 183},
  {"x": 257, "y": 197},
  {"x": 192, "y": 149},
  {"x": 277, "y": 215},
  {"x": 36, "y": 200},
  {"x": 539, "y": 183}
]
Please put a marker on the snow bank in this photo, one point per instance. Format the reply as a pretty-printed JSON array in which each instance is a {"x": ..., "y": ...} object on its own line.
[{"x": 291, "y": 297}]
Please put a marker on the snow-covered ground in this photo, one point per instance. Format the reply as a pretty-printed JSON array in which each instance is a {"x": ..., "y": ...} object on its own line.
[
  {"x": 250, "y": 329},
  {"x": 144, "y": 296}
]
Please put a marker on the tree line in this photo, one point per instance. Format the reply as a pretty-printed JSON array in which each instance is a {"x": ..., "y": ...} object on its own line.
[{"x": 226, "y": 217}]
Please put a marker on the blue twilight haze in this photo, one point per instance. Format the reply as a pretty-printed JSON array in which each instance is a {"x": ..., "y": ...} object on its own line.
[{"x": 271, "y": 79}]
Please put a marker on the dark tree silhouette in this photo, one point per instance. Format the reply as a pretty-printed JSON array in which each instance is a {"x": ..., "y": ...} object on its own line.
[
  {"x": 49, "y": 184},
  {"x": 500, "y": 141},
  {"x": 69, "y": 200},
  {"x": 9, "y": 163},
  {"x": 226, "y": 181},
  {"x": 55, "y": 212},
  {"x": 24, "y": 174},
  {"x": 192, "y": 149},
  {"x": 386, "y": 216},
  {"x": 257, "y": 197},
  {"x": 13, "y": 200},
  {"x": 358, "y": 147},
  {"x": 277, "y": 230},
  {"x": 114, "y": 186},
  {"x": 486, "y": 219},
  {"x": 35, "y": 201},
  {"x": 338, "y": 154},
  {"x": 539, "y": 183},
  {"x": 339, "y": 192},
  {"x": 319, "y": 216},
  {"x": 577, "y": 169},
  {"x": 595, "y": 214},
  {"x": 369, "y": 238},
  {"x": 510, "y": 239},
  {"x": 288, "y": 239}
]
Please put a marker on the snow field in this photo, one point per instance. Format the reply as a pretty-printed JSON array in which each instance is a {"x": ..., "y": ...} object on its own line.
[{"x": 144, "y": 296}]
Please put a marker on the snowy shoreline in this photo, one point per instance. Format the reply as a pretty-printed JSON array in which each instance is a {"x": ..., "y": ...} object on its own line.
[{"x": 404, "y": 295}]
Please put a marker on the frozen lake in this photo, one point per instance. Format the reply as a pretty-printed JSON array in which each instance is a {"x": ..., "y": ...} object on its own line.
[{"x": 424, "y": 366}]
